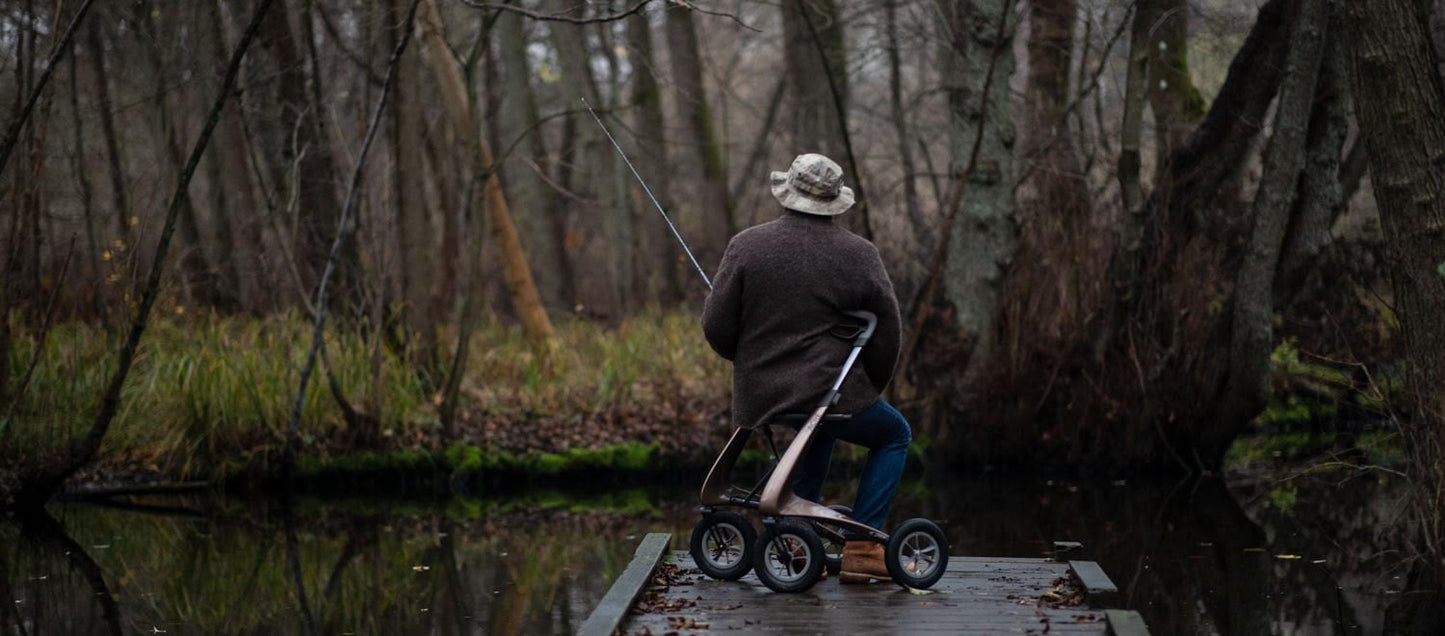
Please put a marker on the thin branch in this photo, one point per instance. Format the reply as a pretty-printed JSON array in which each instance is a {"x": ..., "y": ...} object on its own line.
[
  {"x": 293, "y": 427},
  {"x": 556, "y": 17},
  {"x": 12, "y": 133}
]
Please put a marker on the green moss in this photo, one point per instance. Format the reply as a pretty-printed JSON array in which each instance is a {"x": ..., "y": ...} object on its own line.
[
  {"x": 1284, "y": 498},
  {"x": 1379, "y": 449}
]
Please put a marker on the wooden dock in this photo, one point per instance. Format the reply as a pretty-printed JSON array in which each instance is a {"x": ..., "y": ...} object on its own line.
[{"x": 977, "y": 595}]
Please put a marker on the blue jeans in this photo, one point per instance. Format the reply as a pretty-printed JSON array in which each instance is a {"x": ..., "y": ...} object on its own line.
[{"x": 883, "y": 431}]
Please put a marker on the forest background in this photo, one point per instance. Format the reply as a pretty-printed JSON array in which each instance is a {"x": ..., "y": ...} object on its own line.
[{"x": 1125, "y": 233}]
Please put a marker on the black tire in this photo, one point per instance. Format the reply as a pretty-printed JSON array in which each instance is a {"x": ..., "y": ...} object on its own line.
[
  {"x": 917, "y": 554},
  {"x": 721, "y": 545},
  {"x": 832, "y": 548},
  {"x": 788, "y": 557}
]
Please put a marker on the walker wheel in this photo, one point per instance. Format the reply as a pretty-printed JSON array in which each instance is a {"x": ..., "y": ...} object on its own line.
[
  {"x": 720, "y": 544},
  {"x": 917, "y": 554},
  {"x": 788, "y": 557},
  {"x": 832, "y": 547}
]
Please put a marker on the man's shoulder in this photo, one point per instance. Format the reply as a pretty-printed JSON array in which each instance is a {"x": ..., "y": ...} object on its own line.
[
  {"x": 756, "y": 234},
  {"x": 778, "y": 232}
]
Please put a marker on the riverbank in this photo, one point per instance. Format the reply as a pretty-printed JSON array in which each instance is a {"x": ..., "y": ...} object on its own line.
[
  {"x": 645, "y": 399},
  {"x": 209, "y": 399}
]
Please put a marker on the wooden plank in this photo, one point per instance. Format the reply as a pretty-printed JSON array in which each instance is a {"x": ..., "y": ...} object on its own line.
[
  {"x": 1068, "y": 551},
  {"x": 1100, "y": 591},
  {"x": 614, "y": 605},
  {"x": 1126, "y": 623},
  {"x": 977, "y": 595}
]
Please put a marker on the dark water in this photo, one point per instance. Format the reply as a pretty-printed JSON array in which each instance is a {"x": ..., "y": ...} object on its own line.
[{"x": 1198, "y": 557}]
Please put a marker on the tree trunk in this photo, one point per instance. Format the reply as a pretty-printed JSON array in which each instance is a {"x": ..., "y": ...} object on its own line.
[
  {"x": 976, "y": 40},
  {"x": 198, "y": 279},
  {"x": 1321, "y": 197},
  {"x": 1400, "y": 101},
  {"x": 1109, "y": 397},
  {"x": 245, "y": 228},
  {"x": 415, "y": 235},
  {"x": 1176, "y": 103},
  {"x": 717, "y": 222},
  {"x": 816, "y": 63},
  {"x": 515, "y": 272},
  {"x": 96, "y": 43},
  {"x": 303, "y": 147},
  {"x": 660, "y": 278},
  {"x": 87, "y": 198},
  {"x": 1252, "y": 336},
  {"x": 604, "y": 222},
  {"x": 539, "y": 219},
  {"x": 921, "y": 232}
]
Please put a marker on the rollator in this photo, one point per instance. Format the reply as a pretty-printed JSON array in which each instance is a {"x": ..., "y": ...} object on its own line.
[{"x": 800, "y": 538}]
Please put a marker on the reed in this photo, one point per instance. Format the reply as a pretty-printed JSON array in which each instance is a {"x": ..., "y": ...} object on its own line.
[{"x": 209, "y": 393}]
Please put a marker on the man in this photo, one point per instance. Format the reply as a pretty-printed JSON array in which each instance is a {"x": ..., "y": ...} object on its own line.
[{"x": 781, "y": 287}]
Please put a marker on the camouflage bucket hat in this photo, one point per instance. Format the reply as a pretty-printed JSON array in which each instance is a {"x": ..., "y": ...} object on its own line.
[{"x": 813, "y": 185}]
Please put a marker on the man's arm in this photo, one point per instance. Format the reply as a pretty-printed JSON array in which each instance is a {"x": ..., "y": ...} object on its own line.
[
  {"x": 722, "y": 311},
  {"x": 881, "y": 355}
]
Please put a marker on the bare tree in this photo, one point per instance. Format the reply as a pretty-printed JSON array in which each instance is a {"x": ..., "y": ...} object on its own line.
[
  {"x": 37, "y": 487},
  {"x": 515, "y": 272}
]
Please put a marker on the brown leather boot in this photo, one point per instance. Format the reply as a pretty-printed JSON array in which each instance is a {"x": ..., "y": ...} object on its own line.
[{"x": 862, "y": 562}]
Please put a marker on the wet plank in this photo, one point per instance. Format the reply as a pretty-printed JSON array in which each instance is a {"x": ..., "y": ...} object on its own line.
[
  {"x": 1126, "y": 623},
  {"x": 975, "y": 596},
  {"x": 614, "y": 606},
  {"x": 1100, "y": 590}
]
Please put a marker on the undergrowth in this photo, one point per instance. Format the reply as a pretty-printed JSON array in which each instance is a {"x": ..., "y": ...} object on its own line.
[{"x": 208, "y": 394}]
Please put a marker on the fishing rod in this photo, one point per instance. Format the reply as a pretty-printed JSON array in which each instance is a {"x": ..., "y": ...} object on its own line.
[{"x": 648, "y": 190}]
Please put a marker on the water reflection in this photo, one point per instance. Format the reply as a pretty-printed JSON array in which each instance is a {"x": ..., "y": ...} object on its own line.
[{"x": 1193, "y": 557}]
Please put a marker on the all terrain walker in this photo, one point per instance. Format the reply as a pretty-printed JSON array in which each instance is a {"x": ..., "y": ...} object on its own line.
[{"x": 789, "y": 554}]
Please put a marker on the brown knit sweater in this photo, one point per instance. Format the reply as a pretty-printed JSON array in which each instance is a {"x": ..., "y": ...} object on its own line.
[{"x": 780, "y": 288}]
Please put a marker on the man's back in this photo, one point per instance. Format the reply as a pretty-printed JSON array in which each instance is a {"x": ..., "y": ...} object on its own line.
[{"x": 781, "y": 288}]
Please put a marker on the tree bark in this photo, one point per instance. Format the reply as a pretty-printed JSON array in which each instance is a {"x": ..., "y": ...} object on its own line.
[
  {"x": 1176, "y": 103},
  {"x": 87, "y": 198},
  {"x": 1321, "y": 198},
  {"x": 540, "y": 219},
  {"x": 413, "y": 212},
  {"x": 817, "y": 69},
  {"x": 660, "y": 277},
  {"x": 96, "y": 44},
  {"x": 717, "y": 223},
  {"x": 1437, "y": 34},
  {"x": 515, "y": 273},
  {"x": 198, "y": 280},
  {"x": 1252, "y": 337},
  {"x": 1123, "y": 271},
  {"x": 985, "y": 235},
  {"x": 921, "y": 231},
  {"x": 304, "y": 146},
  {"x": 1400, "y": 102},
  {"x": 604, "y": 225}
]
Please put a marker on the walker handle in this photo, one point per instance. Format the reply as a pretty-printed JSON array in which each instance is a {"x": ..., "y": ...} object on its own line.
[{"x": 870, "y": 319}]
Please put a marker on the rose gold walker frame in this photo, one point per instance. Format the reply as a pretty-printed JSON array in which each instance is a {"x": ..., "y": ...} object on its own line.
[{"x": 777, "y": 498}]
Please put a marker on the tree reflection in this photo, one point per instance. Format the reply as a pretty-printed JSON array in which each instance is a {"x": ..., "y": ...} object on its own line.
[{"x": 48, "y": 604}]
